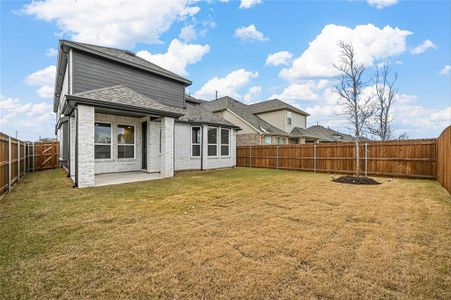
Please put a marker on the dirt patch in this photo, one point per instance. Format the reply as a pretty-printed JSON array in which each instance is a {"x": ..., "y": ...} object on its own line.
[{"x": 355, "y": 180}]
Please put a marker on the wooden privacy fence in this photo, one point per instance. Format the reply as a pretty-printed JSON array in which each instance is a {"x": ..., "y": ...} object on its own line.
[
  {"x": 444, "y": 159},
  {"x": 412, "y": 158},
  {"x": 19, "y": 157}
]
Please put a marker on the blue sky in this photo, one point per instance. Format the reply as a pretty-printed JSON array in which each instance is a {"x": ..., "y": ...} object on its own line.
[{"x": 252, "y": 50}]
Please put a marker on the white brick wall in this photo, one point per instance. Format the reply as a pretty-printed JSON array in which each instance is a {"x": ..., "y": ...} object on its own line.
[
  {"x": 167, "y": 147},
  {"x": 183, "y": 160},
  {"x": 72, "y": 126},
  {"x": 153, "y": 148},
  {"x": 85, "y": 146}
]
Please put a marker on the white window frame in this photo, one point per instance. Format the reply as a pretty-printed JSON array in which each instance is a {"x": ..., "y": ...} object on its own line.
[
  {"x": 221, "y": 144},
  {"x": 216, "y": 144},
  {"x": 104, "y": 144},
  {"x": 270, "y": 140},
  {"x": 289, "y": 118},
  {"x": 134, "y": 141},
  {"x": 194, "y": 144}
]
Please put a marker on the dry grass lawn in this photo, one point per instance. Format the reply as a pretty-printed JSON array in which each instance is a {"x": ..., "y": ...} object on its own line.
[{"x": 242, "y": 233}]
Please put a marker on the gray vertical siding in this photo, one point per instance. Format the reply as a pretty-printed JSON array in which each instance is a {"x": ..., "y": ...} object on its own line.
[{"x": 91, "y": 72}]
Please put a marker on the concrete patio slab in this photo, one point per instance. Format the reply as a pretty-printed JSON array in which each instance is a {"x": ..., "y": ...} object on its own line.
[{"x": 124, "y": 177}]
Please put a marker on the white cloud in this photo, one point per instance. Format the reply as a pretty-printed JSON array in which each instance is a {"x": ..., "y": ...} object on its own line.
[
  {"x": 115, "y": 23},
  {"x": 252, "y": 94},
  {"x": 446, "y": 70},
  {"x": 426, "y": 44},
  {"x": 279, "y": 58},
  {"x": 250, "y": 33},
  {"x": 188, "y": 33},
  {"x": 249, "y": 3},
  {"x": 45, "y": 79},
  {"x": 178, "y": 56},
  {"x": 230, "y": 85},
  {"x": 51, "y": 52},
  {"x": 371, "y": 44},
  {"x": 30, "y": 119},
  {"x": 300, "y": 92},
  {"x": 381, "y": 3}
]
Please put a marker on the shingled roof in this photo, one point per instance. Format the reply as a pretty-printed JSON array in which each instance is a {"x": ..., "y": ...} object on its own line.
[
  {"x": 244, "y": 112},
  {"x": 198, "y": 114},
  {"x": 124, "y": 96},
  {"x": 274, "y": 104}
]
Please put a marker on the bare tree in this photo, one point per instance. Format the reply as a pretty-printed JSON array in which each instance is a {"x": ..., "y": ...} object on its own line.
[
  {"x": 385, "y": 97},
  {"x": 357, "y": 107}
]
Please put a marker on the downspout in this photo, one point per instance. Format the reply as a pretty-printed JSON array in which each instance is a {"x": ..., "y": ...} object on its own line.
[{"x": 76, "y": 147}]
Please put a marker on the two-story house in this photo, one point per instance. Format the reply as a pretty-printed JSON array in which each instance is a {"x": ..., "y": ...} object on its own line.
[
  {"x": 264, "y": 123},
  {"x": 116, "y": 112}
]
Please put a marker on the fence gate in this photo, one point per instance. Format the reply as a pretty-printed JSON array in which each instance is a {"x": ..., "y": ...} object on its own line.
[{"x": 46, "y": 155}]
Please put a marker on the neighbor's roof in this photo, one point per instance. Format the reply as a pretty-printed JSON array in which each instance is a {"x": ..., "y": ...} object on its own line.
[
  {"x": 122, "y": 95},
  {"x": 274, "y": 104},
  {"x": 330, "y": 135},
  {"x": 244, "y": 112},
  {"x": 303, "y": 132},
  {"x": 126, "y": 56}
]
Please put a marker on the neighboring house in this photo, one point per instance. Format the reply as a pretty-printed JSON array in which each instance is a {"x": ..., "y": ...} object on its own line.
[
  {"x": 272, "y": 122},
  {"x": 254, "y": 130},
  {"x": 266, "y": 122},
  {"x": 116, "y": 112}
]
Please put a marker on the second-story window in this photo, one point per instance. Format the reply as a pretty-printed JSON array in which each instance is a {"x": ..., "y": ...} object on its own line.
[{"x": 289, "y": 117}]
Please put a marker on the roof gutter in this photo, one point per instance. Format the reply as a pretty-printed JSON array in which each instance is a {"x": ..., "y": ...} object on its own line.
[
  {"x": 72, "y": 101},
  {"x": 209, "y": 123}
]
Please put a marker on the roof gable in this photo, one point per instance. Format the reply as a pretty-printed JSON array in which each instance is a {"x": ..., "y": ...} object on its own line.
[{"x": 274, "y": 104}]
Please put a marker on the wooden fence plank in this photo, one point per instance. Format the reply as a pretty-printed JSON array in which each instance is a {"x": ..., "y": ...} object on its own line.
[
  {"x": 21, "y": 159},
  {"x": 412, "y": 158},
  {"x": 444, "y": 159}
]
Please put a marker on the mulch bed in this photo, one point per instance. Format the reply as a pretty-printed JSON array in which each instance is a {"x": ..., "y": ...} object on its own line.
[{"x": 355, "y": 180}]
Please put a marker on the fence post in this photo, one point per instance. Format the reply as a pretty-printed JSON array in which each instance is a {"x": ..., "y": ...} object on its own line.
[
  {"x": 24, "y": 158},
  {"x": 277, "y": 157},
  {"x": 366, "y": 159},
  {"x": 18, "y": 160},
  {"x": 32, "y": 157},
  {"x": 250, "y": 156},
  {"x": 9, "y": 163},
  {"x": 314, "y": 158}
]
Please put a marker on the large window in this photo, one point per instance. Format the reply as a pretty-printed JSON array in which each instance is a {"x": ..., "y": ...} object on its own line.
[
  {"x": 195, "y": 141},
  {"x": 289, "y": 117},
  {"x": 225, "y": 142},
  {"x": 268, "y": 140},
  {"x": 212, "y": 141},
  {"x": 125, "y": 141},
  {"x": 102, "y": 141}
]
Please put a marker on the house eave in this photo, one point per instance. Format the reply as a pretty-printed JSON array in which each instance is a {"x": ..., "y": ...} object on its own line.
[{"x": 71, "y": 101}]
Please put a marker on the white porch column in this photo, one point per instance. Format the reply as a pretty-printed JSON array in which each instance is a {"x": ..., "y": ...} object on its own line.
[
  {"x": 85, "y": 147},
  {"x": 72, "y": 125},
  {"x": 167, "y": 147}
]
